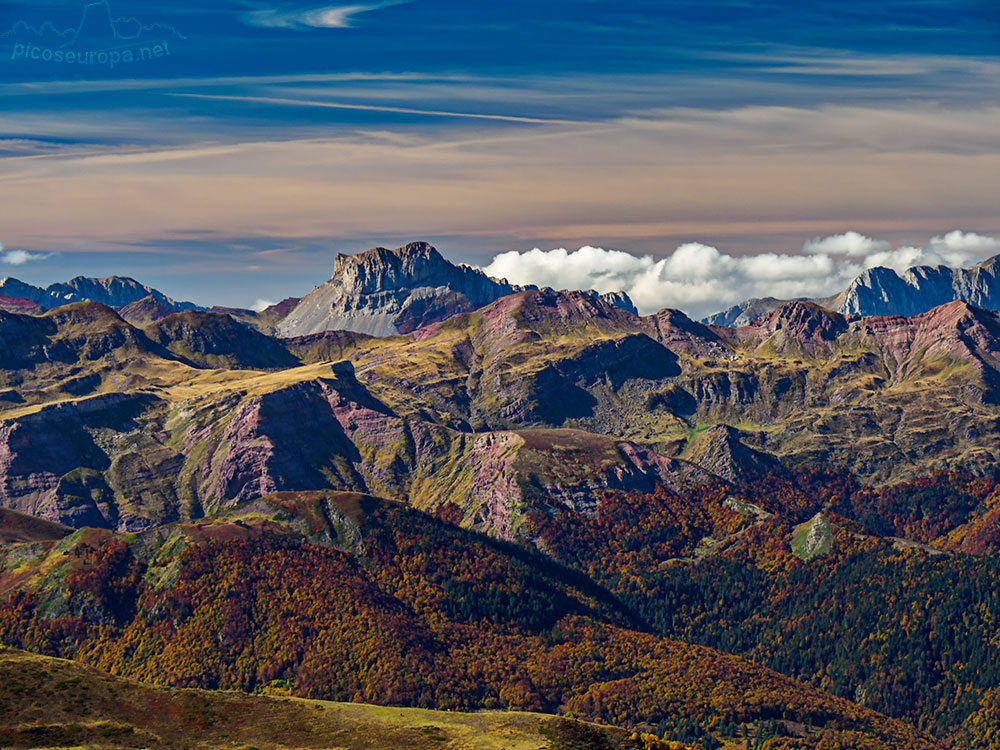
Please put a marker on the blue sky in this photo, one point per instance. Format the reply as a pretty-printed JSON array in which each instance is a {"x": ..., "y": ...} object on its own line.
[{"x": 231, "y": 148}]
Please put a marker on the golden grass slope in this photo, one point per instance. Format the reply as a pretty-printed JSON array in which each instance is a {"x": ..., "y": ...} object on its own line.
[{"x": 47, "y": 702}]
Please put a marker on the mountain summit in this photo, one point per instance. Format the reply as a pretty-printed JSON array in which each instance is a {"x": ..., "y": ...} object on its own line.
[{"x": 383, "y": 292}]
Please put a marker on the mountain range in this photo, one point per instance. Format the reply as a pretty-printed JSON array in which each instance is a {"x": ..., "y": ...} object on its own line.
[
  {"x": 535, "y": 499},
  {"x": 380, "y": 292},
  {"x": 384, "y": 292},
  {"x": 113, "y": 291},
  {"x": 105, "y": 424},
  {"x": 883, "y": 291}
]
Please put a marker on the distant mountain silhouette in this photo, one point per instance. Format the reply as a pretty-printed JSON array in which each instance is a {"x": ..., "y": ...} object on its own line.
[{"x": 883, "y": 291}]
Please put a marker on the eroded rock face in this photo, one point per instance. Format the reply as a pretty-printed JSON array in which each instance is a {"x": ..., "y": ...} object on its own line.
[
  {"x": 384, "y": 292},
  {"x": 47, "y": 456},
  {"x": 881, "y": 291},
  {"x": 20, "y": 306},
  {"x": 616, "y": 299},
  {"x": 721, "y": 451}
]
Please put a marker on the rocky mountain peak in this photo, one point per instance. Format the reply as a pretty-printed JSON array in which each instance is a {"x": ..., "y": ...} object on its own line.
[
  {"x": 805, "y": 321},
  {"x": 616, "y": 299},
  {"x": 381, "y": 269},
  {"x": 383, "y": 292},
  {"x": 744, "y": 312},
  {"x": 679, "y": 333}
]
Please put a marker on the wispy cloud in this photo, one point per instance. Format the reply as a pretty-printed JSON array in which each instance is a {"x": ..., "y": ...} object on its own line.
[
  {"x": 849, "y": 63},
  {"x": 673, "y": 174},
  {"x": 20, "y": 257},
  {"x": 380, "y": 108},
  {"x": 48, "y": 88},
  {"x": 325, "y": 17}
]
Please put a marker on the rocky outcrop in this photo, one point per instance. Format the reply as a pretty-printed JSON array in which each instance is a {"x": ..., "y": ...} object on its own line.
[
  {"x": 813, "y": 538},
  {"x": 616, "y": 299},
  {"x": 720, "y": 451},
  {"x": 48, "y": 456}
]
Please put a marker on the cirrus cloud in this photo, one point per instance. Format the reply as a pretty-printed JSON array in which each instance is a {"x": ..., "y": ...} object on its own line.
[
  {"x": 701, "y": 279},
  {"x": 326, "y": 17}
]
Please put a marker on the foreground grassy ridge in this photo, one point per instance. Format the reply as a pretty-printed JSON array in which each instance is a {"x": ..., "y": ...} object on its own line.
[{"x": 47, "y": 702}]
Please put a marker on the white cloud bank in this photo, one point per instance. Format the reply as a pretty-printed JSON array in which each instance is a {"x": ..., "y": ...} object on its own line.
[
  {"x": 701, "y": 279},
  {"x": 20, "y": 257},
  {"x": 260, "y": 305}
]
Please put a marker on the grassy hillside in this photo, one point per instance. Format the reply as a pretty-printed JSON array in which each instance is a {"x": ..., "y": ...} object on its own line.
[
  {"x": 47, "y": 702},
  {"x": 346, "y": 597},
  {"x": 108, "y": 425}
]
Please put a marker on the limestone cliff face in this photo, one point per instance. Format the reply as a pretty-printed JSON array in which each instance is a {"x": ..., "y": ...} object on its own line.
[
  {"x": 881, "y": 291},
  {"x": 384, "y": 292}
]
